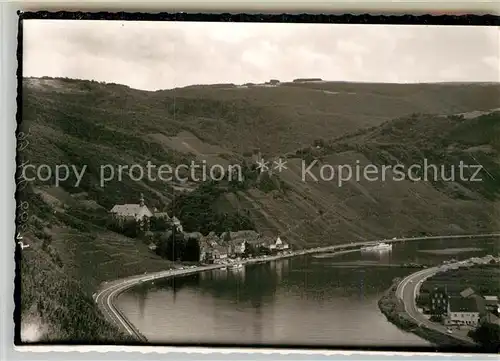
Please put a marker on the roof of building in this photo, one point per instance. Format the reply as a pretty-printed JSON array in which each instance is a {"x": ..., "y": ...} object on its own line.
[
  {"x": 130, "y": 210},
  {"x": 161, "y": 214},
  {"x": 460, "y": 304},
  {"x": 220, "y": 250},
  {"x": 204, "y": 245},
  {"x": 467, "y": 292},
  {"x": 491, "y": 298}
]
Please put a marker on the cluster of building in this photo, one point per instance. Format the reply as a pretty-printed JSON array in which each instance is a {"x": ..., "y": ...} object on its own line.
[
  {"x": 466, "y": 309},
  {"x": 213, "y": 248},
  {"x": 230, "y": 245},
  {"x": 276, "y": 82},
  {"x": 140, "y": 215}
]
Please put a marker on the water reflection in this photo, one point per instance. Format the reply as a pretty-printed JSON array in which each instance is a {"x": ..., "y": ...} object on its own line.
[
  {"x": 140, "y": 294},
  {"x": 302, "y": 300},
  {"x": 383, "y": 255}
]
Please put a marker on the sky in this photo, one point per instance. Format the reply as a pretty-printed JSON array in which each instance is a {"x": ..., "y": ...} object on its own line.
[{"x": 165, "y": 55}]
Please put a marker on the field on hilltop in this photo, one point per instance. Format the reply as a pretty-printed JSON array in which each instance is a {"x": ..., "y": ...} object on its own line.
[{"x": 86, "y": 123}]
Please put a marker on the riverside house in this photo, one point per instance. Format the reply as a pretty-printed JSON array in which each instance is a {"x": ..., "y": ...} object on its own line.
[
  {"x": 211, "y": 249},
  {"x": 463, "y": 312},
  {"x": 214, "y": 248},
  {"x": 219, "y": 253},
  {"x": 278, "y": 245}
]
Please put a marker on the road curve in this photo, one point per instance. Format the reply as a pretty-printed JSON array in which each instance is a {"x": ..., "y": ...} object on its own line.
[
  {"x": 407, "y": 292},
  {"x": 109, "y": 291}
]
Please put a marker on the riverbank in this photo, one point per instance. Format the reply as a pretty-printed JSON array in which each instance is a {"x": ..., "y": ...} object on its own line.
[
  {"x": 109, "y": 291},
  {"x": 393, "y": 309}
]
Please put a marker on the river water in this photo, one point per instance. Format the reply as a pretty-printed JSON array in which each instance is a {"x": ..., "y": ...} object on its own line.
[{"x": 308, "y": 300}]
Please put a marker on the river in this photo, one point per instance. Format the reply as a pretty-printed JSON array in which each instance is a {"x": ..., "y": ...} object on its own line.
[{"x": 307, "y": 300}]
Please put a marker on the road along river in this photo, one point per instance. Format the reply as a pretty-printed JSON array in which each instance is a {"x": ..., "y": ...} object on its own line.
[
  {"x": 303, "y": 300},
  {"x": 407, "y": 292}
]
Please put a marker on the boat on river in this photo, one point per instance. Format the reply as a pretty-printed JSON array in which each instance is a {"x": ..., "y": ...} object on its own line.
[{"x": 377, "y": 247}]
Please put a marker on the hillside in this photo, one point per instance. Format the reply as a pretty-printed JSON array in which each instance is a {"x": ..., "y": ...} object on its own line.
[{"x": 81, "y": 123}]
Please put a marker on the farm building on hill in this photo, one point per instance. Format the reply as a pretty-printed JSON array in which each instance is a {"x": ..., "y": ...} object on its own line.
[
  {"x": 129, "y": 213},
  {"x": 307, "y": 80}
]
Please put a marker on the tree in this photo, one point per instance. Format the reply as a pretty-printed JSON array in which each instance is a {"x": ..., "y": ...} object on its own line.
[
  {"x": 488, "y": 336},
  {"x": 158, "y": 224},
  {"x": 198, "y": 212},
  {"x": 264, "y": 250},
  {"x": 171, "y": 245},
  {"x": 250, "y": 250},
  {"x": 164, "y": 245},
  {"x": 227, "y": 237},
  {"x": 179, "y": 246},
  {"x": 422, "y": 299},
  {"x": 191, "y": 250},
  {"x": 129, "y": 229}
]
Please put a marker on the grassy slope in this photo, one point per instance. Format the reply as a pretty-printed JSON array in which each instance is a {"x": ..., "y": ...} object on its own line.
[
  {"x": 77, "y": 122},
  {"x": 63, "y": 268}
]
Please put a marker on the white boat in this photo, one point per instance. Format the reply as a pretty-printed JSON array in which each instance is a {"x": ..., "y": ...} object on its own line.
[
  {"x": 378, "y": 247},
  {"x": 223, "y": 268}
]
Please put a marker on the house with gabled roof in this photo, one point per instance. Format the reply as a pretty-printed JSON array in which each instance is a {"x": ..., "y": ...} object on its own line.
[
  {"x": 138, "y": 213},
  {"x": 463, "y": 311},
  {"x": 468, "y": 292},
  {"x": 219, "y": 252}
]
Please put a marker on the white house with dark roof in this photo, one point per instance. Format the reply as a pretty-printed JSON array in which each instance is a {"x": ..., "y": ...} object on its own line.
[
  {"x": 463, "y": 311},
  {"x": 219, "y": 252},
  {"x": 280, "y": 244},
  {"x": 139, "y": 213}
]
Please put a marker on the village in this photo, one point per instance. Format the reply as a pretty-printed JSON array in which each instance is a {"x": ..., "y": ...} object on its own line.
[
  {"x": 462, "y": 307},
  {"x": 225, "y": 248},
  {"x": 445, "y": 299}
]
